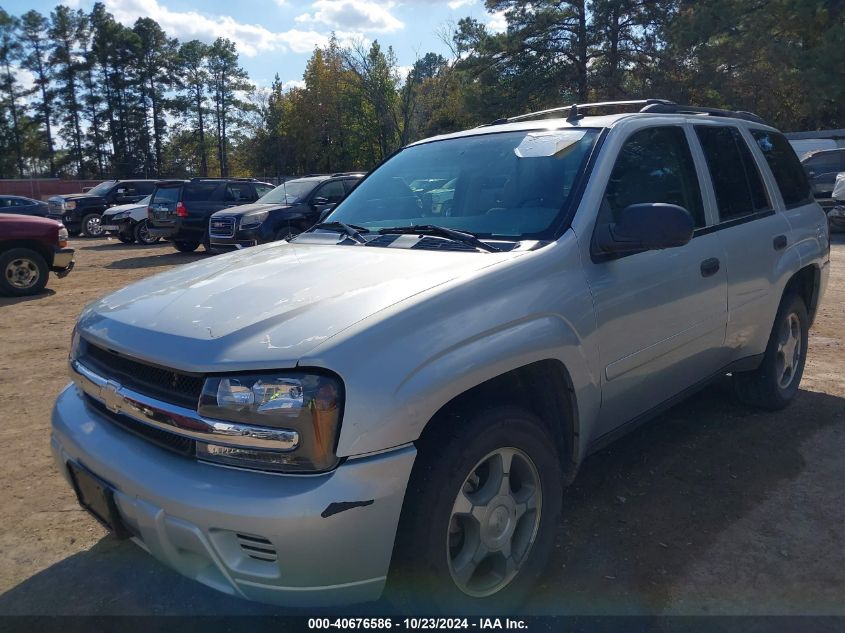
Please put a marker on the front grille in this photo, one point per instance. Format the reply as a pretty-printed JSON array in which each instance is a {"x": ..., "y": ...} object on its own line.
[
  {"x": 176, "y": 443},
  {"x": 221, "y": 227},
  {"x": 55, "y": 207},
  {"x": 257, "y": 547},
  {"x": 171, "y": 386}
]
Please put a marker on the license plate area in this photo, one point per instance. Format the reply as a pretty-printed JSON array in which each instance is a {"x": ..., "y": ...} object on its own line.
[
  {"x": 110, "y": 227},
  {"x": 97, "y": 497}
]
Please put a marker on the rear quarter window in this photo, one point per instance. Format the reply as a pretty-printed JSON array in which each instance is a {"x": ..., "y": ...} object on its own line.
[{"x": 789, "y": 175}]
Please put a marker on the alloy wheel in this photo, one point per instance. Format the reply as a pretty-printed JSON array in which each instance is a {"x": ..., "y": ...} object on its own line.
[
  {"x": 789, "y": 350},
  {"x": 494, "y": 522}
]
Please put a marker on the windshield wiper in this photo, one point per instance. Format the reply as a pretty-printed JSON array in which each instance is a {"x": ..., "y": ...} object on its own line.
[
  {"x": 440, "y": 231},
  {"x": 350, "y": 230}
]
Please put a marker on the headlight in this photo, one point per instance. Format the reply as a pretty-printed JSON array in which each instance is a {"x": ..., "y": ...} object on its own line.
[
  {"x": 73, "y": 354},
  {"x": 68, "y": 205},
  {"x": 63, "y": 235},
  {"x": 253, "y": 219},
  {"x": 121, "y": 215},
  {"x": 307, "y": 404}
]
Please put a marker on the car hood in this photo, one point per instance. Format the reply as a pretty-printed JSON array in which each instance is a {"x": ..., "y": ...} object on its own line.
[
  {"x": 267, "y": 306},
  {"x": 243, "y": 209},
  {"x": 123, "y": 207},
  {"x": 76, "y": 196}
]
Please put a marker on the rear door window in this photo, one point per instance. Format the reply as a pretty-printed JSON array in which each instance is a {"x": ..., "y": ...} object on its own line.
[
  {"x": 144, "y": 188},
  {"x": 239, "y": 192},
  {"x": 331, "y": 191},
  {"x": 199, "y": 191},
  {"x": 654, "y": 165},
  {"x": 789, "y": 175},
  {"x": 736, "y": 180}
]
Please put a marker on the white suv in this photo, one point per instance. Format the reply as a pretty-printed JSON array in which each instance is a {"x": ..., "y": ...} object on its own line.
[{"x": 404, "y": 391}]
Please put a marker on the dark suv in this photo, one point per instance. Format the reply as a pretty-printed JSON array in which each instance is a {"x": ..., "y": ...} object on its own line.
[
  {"x": 82, "y": 211},
  {"x": 821, "y": 168},
  {"x": 285, "y": 211},
  {"x": 179, "y": 209}
]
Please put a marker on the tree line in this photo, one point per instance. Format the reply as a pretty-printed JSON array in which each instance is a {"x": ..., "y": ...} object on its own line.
[{"x": 109, "y": 100}]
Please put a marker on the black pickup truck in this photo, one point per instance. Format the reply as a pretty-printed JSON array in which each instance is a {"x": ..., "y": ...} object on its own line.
[{"x": 82, "y": 211}]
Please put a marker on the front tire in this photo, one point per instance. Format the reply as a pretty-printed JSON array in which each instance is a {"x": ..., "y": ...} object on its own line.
[
  {"x": 480, "y": 515},
  {"x": 23, "y": 272},
  {"x": 92, "y": 225},
  {"x": 775, "y": 383}
]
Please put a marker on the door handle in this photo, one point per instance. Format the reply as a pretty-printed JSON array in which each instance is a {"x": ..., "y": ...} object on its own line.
[
  {"x": 709, "y": 267},
  {"x": 779, "y": 242}
]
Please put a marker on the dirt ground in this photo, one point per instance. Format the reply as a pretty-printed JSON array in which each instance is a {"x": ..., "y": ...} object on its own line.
[{"x": 710, "y": 509}]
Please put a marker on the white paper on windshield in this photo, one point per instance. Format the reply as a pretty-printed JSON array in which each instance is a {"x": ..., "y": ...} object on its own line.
[{"x": 552, "y": 143}]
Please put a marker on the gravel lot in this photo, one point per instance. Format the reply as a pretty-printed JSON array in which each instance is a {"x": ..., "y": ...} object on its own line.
[{"x": 710, "y": 509}]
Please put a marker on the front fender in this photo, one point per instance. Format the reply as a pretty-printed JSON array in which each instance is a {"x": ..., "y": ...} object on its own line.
[{"x": 404, "y": 364}]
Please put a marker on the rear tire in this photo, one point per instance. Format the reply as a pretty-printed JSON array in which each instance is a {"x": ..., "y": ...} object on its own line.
[
  {"x": 92, "y": 225},
  {"x": 23, "y": 272},
  {"x": 471, "y": 538},
  {"x": 185, "y": 247},
  {"x": 142, "y": 233},
  {"x": 774, "y": 384}
]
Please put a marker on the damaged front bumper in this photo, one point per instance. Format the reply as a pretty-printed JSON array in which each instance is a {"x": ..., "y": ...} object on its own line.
[{"x": 296, "y": 540}]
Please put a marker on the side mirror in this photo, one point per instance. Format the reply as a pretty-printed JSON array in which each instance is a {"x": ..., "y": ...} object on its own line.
[
  {"x": 646, "y": 227},
  {"x": 326, "y": 212}
]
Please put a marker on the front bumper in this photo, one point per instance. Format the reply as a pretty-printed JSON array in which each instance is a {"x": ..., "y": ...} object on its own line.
[
  {"x": 62, "y": 261},
  {"x": 124, "y": 225},
  {"x": 188, "y": 514}
]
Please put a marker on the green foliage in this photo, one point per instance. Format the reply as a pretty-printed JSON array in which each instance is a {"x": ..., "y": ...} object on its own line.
[{"x": 111, "y": 100}]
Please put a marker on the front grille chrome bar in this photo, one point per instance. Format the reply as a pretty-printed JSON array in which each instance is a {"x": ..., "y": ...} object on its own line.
[{"x": 178, "y": 420}]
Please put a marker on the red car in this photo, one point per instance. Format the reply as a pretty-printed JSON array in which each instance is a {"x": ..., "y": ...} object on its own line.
[{"x": 30, "y": 247}]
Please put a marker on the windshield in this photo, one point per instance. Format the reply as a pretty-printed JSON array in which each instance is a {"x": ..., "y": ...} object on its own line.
[
  {"x": 289, "y": 192},
  {"x": 511, "y": 185},
  {"x": 102, "y": 189}
]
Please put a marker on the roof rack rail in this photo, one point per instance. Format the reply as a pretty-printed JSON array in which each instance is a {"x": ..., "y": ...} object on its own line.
[
  {"x": 674, "y": 108},
  {"x": 574, "y": 109},
  {"x": 654, "y": 106},
  {"x": 347, "y": 173},
  {"x": 222, "y": 178}
]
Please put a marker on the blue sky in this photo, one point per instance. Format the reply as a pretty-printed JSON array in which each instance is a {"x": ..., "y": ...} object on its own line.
[{"x": 277, "y": 36}]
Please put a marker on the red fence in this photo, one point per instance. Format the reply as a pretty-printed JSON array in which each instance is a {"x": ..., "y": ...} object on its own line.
[{"x": 43, "y": 188}]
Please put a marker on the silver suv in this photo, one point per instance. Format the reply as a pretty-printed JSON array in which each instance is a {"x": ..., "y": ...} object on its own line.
[{"x": 402, "y": 392}]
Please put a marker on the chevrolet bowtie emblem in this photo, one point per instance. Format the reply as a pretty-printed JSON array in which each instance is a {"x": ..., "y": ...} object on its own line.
[{"x": 111, "y": 398}]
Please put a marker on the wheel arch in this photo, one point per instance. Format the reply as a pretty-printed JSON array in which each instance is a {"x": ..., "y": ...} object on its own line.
[
  {"x": 33, "y": 245},
  {"x": 807, "y": 283},
  {"x": 543, "y": 387}
]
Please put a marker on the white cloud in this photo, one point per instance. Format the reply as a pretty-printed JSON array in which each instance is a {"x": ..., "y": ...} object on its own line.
[
  {"x": 293, "y": 83},
  {"x": 457, "y": 4},
  {"x": 250, "y": 39},
  {"x": 363, "y": 15},
  {"x": 497, "y": 22}
]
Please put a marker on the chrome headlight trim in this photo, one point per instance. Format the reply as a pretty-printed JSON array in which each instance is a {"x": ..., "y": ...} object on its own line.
[{"x": 179, "y": 420}]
